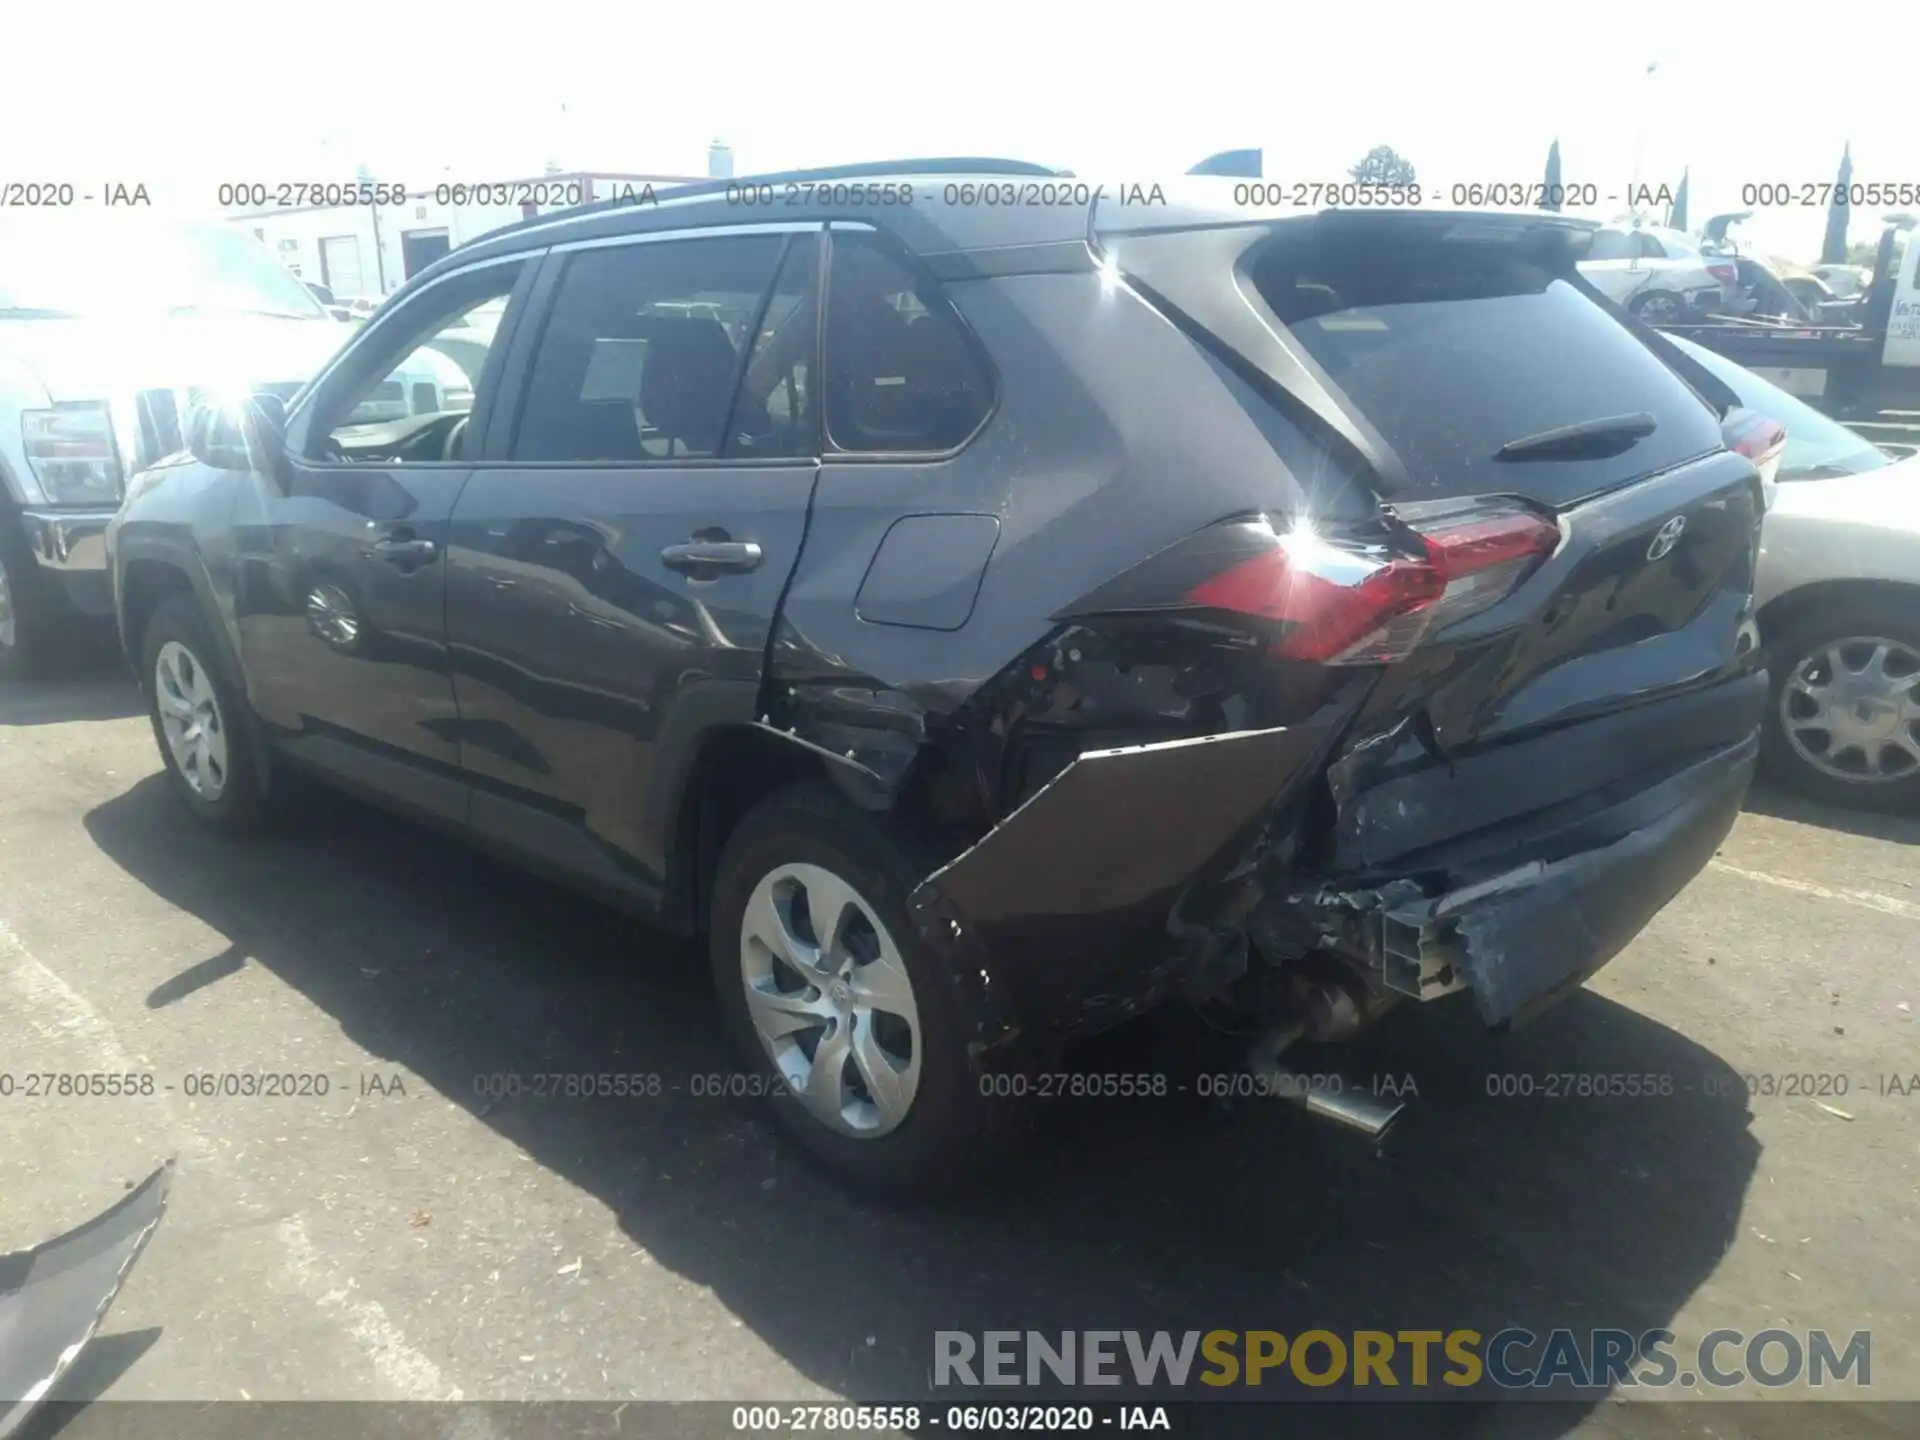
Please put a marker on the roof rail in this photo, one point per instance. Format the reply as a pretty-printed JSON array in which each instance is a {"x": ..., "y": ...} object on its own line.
[{"x": 949, "y": 165}]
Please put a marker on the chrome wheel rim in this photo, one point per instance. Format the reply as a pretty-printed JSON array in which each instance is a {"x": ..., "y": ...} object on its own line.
[
  {"x": 1660, "y": 307},
  {"x": 7, "y": 633},
  {"x": 831, "y": 1000},
  {"x": 190, "y": 719},
  {"x": 1851, "y": 710}
]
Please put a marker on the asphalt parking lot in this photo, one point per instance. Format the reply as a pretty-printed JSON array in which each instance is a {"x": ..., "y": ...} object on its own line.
[{"x": 407, "y": 1236}]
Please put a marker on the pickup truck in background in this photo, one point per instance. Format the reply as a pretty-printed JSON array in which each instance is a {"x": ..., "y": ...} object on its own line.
[{"x": 110, "y": 334}]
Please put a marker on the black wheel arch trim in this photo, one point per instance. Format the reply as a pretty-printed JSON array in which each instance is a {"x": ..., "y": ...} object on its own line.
[{"x": 187, "y": 562}]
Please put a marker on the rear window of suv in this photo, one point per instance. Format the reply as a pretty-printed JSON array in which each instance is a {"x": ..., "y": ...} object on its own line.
[{"x": 1454, "y": 340}]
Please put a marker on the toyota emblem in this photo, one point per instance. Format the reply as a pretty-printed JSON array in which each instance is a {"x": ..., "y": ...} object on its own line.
[{"x": 1666, "y": 537}]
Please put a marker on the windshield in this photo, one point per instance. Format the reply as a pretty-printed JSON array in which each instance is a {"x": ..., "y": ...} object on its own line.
[
  {"x": 1817, "y": 445},
  {"x": 52, "y": 268}
]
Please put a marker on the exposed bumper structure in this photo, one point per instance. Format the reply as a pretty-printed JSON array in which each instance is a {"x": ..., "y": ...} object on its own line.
[{"x": 1522, "y": 938}]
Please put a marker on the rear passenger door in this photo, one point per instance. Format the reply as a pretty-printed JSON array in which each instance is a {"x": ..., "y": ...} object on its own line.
[{"x": 617, "y": 559}]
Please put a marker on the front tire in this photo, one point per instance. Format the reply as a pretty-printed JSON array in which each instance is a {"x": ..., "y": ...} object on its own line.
[
  {"x": 200, "y": 721},
  {"x": 828, "y": 995},
  {"x": 27, "y": 616},
  {"x": 1843, "y": 722}
]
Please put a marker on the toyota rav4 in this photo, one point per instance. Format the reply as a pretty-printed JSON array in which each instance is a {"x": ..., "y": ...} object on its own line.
[{"x": 985, "y": 624}]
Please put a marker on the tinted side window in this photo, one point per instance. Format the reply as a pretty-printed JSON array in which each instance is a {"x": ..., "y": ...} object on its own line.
[
  {"x": 1645, "y": 247},
  {"x": 774, "y": 414},
  {"x": 427, "y": 362},
  {"x": 640, "y": 353},
  {"x": 902, "y": 374}
]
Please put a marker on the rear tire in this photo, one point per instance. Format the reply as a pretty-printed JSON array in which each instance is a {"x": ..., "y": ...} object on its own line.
[
  {"x": 200, "y": 721},
  {"x": 1856, "y": 744},
  {"x": 810, "y": 911}
]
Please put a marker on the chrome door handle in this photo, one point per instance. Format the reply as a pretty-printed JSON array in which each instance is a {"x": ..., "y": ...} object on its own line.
[
  {"x": 716, "y": 555},
  {"x": 406, "y": 552}
]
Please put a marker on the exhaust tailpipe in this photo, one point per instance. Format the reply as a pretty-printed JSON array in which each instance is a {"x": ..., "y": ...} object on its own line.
[
  {"x": 1331, "y": 1095},
  {"x": 1356, "y": 1108}
]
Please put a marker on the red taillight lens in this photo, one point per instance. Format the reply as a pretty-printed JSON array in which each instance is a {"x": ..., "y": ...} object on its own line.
[
  {"x": 1345, "y": 604},
  {"x": 1761, "y": 440},
  {"x": 1725, "y": 274}
]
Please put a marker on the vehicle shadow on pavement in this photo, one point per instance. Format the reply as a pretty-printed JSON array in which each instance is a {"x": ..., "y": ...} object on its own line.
[
  {"x": 1478, "y": 1212},
  {"x": 1765, "y": 799},
  {"x": 89, "y": 682}
]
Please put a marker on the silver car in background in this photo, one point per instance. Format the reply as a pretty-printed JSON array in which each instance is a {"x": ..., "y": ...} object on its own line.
[
  {"x": 1657, "y": 273},
  {"x": 1838, "y": 591}
]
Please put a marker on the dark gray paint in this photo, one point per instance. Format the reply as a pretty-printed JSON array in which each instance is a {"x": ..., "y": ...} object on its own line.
[
  {"x": 573, "y": 644},
  {"x": 927, "y": 571},
  {"x": 1076, "y": 847},
  {"x": 336, "y": 526},
  {"x": 1080, "y": 463}
]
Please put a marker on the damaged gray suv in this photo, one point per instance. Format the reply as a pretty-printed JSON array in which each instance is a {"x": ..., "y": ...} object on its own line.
[{"x": 986, "y": 623}]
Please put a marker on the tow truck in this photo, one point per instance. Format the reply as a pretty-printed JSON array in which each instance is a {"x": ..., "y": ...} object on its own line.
[{"x": 1853, "y": 371}]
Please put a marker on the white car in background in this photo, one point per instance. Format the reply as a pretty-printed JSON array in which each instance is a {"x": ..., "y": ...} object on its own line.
[
  {"x": 1658, "y": 274},
  {"x": 1838, "y": 588},
  {"x": 111, "y": 332},
  {"x": 1845, "y": 281}
]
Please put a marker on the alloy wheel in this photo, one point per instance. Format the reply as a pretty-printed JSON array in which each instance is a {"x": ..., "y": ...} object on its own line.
[
  {"x": 1851, "y": 709},
  {"x": 190, "y": 718},
  {"x": 831, "y": 999}
]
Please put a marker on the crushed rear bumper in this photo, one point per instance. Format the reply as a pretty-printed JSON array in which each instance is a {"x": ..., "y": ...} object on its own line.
[
  {"x": 1150, "y": 869},
  {"x": 1522, "y": 938}
]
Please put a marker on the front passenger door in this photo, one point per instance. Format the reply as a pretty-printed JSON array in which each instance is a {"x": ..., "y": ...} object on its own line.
[
  {"x": 613, "y": 580},
  {"x": 341, "y": 581}
]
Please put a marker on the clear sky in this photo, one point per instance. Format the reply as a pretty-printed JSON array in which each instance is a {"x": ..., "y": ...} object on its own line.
[{"x": 184, "y": 95}]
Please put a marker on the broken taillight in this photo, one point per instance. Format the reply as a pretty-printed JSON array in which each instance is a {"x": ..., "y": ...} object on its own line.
[
  {"x": 1361, "y": 604},
  {"x": 1725, "y": 274}
]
